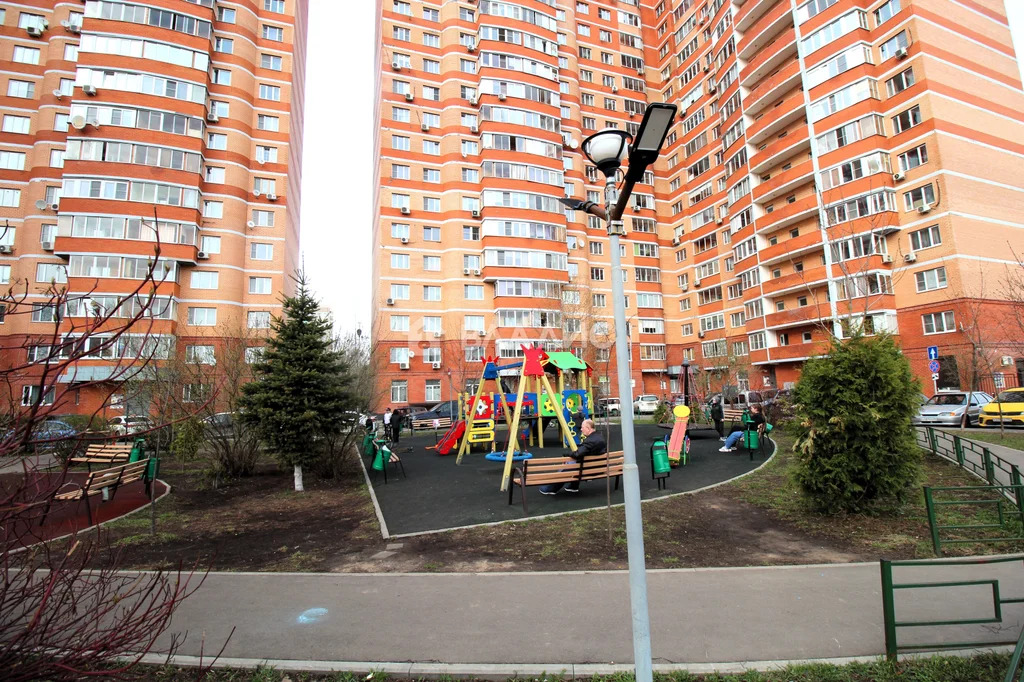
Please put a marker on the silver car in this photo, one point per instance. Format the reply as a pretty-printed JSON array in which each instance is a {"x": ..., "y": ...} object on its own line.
[{"x": 948, "y": 409}]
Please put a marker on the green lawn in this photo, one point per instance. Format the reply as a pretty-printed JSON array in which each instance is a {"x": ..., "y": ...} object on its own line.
[{"x": 1011, "y": 439}]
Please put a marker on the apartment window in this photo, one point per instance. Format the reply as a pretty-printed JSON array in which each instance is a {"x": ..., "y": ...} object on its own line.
[
  {"x": 213, "y": 209},
  {"x": 400, "y": 7},
  {"x": 906, "y": 119},
  {"x": 431, "y": 204},
  {"x": 431, "y": 175},
  {"x": 201, "y": 355},
  {"x": 30, "y": 396},
  {"x": 471, "y": 233},
  {"x": 400, "y": 142},
  {"x": 270, "y": 92},
  {"x": 269, "y": 123},
  {"x": 929, "y": 280},
  {"x": 939, "y": 323},
  {"x": 261, "y": 251},
  {"x": 210, "y": 245},
  {"x": 271, "y": 61},
  {"x": 16, "y": 160},
  {"x": 899, "y": 82},
  {"x": 886, "y": 12},
  {"x": 275, "y": 33},
  {"x": 400, "y": 292},
  {"x": 431, "y": 66},
  {"x": 431, "y": 234},
  {"x": 432, "y": 263},
  {"x": 17, "y": 124},
  {"x": 889, "y": 47},
  {"x": 399, "y": 323},
  {"x": 473, "y": 292},
  {"x": 202, "y": 317},
  {"x": 263, "y": 218},
  {"x": 470, "y": 175},
  {"x": 597, "y": 274},
  {"x": 25, "y": 55},
  {"x": 925, "y": 238},
  {"x": 431, "y": 40},
  {"x": 225, "y": 45},
  {"x": 217, "y": 141},
  {"x": 919, "y": 196},
  {"x": 259, "y": 285},
  {"x": 431, "y": 14},
  {"x": 399, "y": 172},
  {"x": 258, "y": 319},
  {"x": 596, "y": 248},
  {"x": 400, "y": 261},
  {"x": 399, "y": 391},
  {"x": 21, "y": 89},
  {"x": 221, "y": 76},
  {"x": 598, "y": 300},
  {"x": 226, "y": 15},
  {"x": 470, "y": 147},
  {"x": 204, "y": 280},
  {"x": 913, "y": 158},
  {"x": 431, "y": 93},
  {"x": 467, "y": 66}
]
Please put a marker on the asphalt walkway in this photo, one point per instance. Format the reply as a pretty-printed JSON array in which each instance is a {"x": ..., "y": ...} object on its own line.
[{"x": 504, "y": 623}]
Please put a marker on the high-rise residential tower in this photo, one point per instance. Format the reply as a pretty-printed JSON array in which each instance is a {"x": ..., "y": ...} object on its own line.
[
  {"x": 125, "y": 120},
  {"x": 837, "y": 165}
]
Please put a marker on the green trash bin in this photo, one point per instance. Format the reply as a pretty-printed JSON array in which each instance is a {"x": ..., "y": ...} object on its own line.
[
  {"x": 368, "y": 445},
  {"x": 659, "y": 457},
  {"x": 750, "y": 439},
  {"x": 153, "y": 470},
  {"x": 138, "y": 450}
]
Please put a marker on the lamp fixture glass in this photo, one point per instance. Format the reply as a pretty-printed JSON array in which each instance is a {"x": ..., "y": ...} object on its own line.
[{"x": 606, "y": 149}]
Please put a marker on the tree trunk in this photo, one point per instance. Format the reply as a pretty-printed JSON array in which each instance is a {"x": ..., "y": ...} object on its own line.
[{"x": 298, "y": 479}]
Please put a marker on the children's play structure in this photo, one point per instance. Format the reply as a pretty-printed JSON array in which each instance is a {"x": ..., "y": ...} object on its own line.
[{"x": 526, "y": 411}]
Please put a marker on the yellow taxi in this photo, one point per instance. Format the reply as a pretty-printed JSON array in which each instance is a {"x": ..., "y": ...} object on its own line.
[{"x": 1008, "y": 406}]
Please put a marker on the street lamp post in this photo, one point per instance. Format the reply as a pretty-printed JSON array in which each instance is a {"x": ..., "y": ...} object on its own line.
[{"x": 607, "y": 149}]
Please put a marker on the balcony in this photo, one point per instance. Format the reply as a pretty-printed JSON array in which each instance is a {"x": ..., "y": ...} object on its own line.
[
  {"x": 788, "y": 214},
  {"x": 770, "y": 58},
  {"x": 772, "y": 87},
  {"x": 808, "y": 242},
  {"x": 795, "y": 142},
  {"x": 795, "y": 352},
  {"x": 775, "y": 119},
  {"x": 65, "y": 246},
  {"x": 798, "y": 317},
  {"x": 763, "y": 30},
  {"x": 796, "y": 280},
  {"x": 751, "y": 10},
  {"x": 784, "y": 182}
]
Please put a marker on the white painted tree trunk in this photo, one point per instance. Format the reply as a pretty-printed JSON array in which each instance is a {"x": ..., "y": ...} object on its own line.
[{"x": 298, "y": 479}]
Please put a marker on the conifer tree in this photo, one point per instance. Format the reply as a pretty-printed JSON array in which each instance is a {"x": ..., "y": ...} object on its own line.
[
  {"x": 300, "y": 391},
  {"x": 854, "y": 439}
]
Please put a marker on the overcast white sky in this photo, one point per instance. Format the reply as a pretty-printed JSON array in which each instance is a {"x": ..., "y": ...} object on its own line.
[{"x": 337, "y": 183}]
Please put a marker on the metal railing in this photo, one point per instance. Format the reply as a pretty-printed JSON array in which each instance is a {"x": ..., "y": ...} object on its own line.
[
  {"x": 1009, "y": 506},
  {"x": 969, "y": 456},
  {"x": 889, "y": 587},
  {"x": 1018, "y": 652}
]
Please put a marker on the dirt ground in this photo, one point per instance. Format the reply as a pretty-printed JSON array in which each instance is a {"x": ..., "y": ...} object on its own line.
[{"x": 260, "y": 524}]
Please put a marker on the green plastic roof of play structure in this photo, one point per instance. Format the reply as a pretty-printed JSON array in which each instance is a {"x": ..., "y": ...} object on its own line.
[{"x": 565, "y": 360}]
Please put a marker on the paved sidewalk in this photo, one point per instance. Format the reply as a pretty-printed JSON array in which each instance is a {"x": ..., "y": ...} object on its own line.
[{"x": 561, "y": 620}]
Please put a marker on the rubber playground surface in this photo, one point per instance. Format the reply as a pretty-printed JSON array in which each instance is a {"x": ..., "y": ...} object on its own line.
[{"x": 438, "y": 495}]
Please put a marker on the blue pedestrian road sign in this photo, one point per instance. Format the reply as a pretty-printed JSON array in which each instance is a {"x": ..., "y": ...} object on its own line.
[
  {"x": 933, "y": 352},
  {"x": 933, "y": 365}
]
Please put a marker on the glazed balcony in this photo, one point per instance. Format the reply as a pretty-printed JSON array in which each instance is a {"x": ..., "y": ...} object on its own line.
[
  {"x": 762, "y": 31},
  {"x": 786, "y": 181},
  {"x": 810, "y": 277},
  {"x": 795, "y": 142},
  {"x": 65, "y": 246},
  {"x": 771, "y": 57},
  {"x": 777, "y": 118},
  {"x": 798, "y": 317},
  {"x": 772, "y": 87},
  {"x": 789, "y": 214}
]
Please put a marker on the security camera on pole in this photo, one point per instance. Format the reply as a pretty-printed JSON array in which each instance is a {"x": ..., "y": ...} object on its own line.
[{"x": 606, "y": 149}]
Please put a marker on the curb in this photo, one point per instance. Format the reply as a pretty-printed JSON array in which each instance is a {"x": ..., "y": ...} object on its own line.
[{"x": 506, "y": 671}]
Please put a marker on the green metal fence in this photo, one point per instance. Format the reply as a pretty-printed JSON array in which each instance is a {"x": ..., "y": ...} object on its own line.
[
  {"x": 892, "y": 625},
  {"x": 1018, "y": 652},
  {"x": 1008, "y": 501},
  {"x": 969, "y": 456}
]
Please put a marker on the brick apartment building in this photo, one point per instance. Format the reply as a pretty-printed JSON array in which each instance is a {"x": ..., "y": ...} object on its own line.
[
  {"x": 835, "y": 163},
  {"x": 116, "y": 114}
]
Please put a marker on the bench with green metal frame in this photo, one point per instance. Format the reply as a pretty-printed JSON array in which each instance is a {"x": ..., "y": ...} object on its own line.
[{"x": 103, "y": 482}]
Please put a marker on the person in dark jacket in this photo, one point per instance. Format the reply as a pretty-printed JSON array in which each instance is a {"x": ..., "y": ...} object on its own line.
[
  {"x": 718, "y": 416},
  {"x": 593, "y": 445},
  {"x": 396, "y": 425}
]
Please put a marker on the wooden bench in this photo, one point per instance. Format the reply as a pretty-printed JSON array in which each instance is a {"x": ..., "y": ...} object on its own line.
[
  {"x": 545, "y": 470},
  {"x": 442, "y": 423},
  {"x": 733, "y": 414},
  {"x": 104, "y": 453},
  {"x": 101, "y": 481}
]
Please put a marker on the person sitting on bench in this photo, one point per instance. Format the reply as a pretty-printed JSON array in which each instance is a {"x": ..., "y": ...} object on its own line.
[
  {"x": 593, "y": 445},
  {"x": 755, "y": 420}
]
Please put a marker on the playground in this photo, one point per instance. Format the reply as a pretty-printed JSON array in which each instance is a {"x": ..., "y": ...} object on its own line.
[
  {"x": 437, "y": 494},
  {"x": 521, "y": 440}
]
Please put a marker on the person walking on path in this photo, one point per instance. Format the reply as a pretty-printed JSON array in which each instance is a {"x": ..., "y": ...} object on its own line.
[
  {"x": 755, "y": 420},
  {"x": 593, "y": 445},
  {"x": 387, "y": 423}
]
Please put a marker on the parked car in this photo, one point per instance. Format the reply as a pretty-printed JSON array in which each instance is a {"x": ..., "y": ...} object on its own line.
[
  {"x": 220, "y": 425},
  {"x": 608, "y": 407},
  {"x": 1007, "y": 406},
  {"x": 449, "y": 409},
  {"x": 951, "y": 409},
  {"x": 646, "y": 404},
  {"x": 127, "y": 426}
]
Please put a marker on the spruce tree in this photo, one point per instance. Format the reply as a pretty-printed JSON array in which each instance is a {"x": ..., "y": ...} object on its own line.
[
  {"x": 300, "y": 391},
  {"x": 854, "y": 441}
]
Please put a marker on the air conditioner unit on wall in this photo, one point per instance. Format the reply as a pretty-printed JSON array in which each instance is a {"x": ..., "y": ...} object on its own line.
[
  {"x": 466, "y": 271},
  {"x": 89, "y": 90},
  {"x": 1006, "y": 360},
  {"x": 409, "y": 97},
  {"x": 477, "y": 273},
  {"x": 437, "y": 335},
  {"x": 886, "y": 258},
  {"x": 405, "y": 240},
  {"x": 405, "y": 210},
  {"x": 910, "y": 257},
  {"x": 898, "y": 176},
  {"x": 403, "y": 365},
  {"x": 390, "y": 301},
  {"x": 901, "y": 53},
  {"x": 6, "y": 248},
  {"x": 34, "y": 31},
  {"x": 202, "y": 255},
  {"x": 47, "y": 246},
  {"x": 435, "y": 365},
  {"x": 924, "y": 208}
]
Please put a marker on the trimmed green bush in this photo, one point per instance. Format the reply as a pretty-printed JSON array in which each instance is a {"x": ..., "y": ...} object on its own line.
[{"x": 854, "y": 440}]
